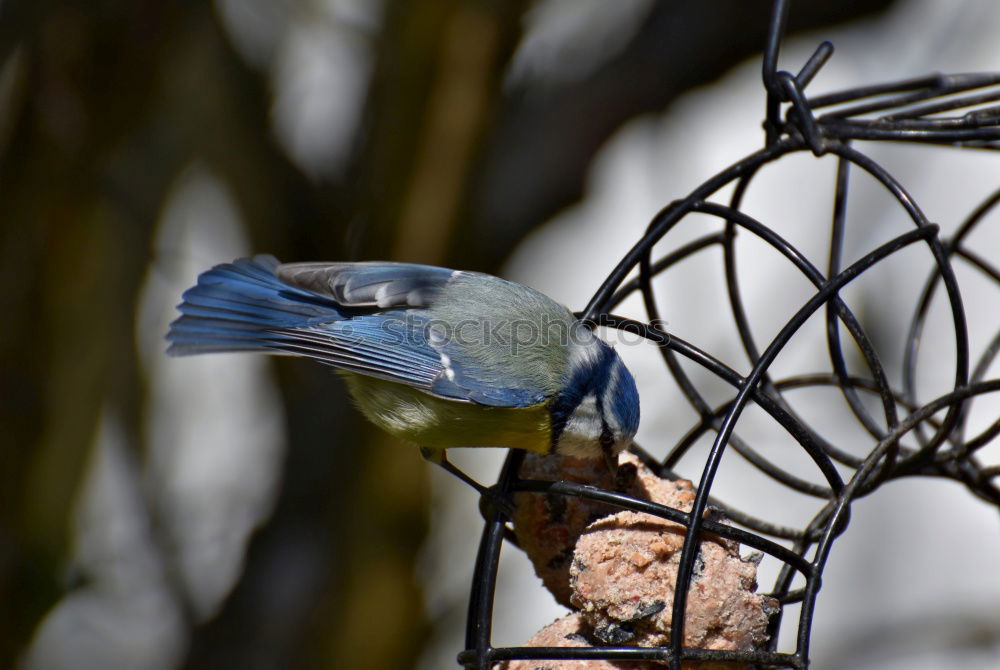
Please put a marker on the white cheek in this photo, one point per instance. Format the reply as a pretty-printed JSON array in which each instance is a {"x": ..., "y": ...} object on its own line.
[
  {"x": 582, "y": 434},
  {"x": 608, "y": 400}
]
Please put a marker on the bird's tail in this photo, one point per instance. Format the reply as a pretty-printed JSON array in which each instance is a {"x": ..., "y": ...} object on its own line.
[{"x": 238, "y": 306}]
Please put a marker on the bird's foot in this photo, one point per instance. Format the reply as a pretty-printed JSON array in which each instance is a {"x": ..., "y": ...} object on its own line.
[{"x": 490, "y": 499}]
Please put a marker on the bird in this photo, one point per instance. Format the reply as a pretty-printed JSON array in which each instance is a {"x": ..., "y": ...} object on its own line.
[{"x": 438, "y": 357}]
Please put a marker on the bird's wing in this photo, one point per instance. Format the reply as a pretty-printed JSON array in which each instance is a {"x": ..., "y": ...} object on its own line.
[
  {"x": 412, "y": 288},
  {"x": 383, "y": 285},
  {"x": 384, "y": 346},
  {"x": 502, "y": 340},
  {"x": 331, "y": 313},
  {"x": 394, "y": 346},
  {"x": 458, "y": 381}
]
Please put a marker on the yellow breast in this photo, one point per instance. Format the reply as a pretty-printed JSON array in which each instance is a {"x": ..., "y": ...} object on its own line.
[{"x": 437, "y": 423}]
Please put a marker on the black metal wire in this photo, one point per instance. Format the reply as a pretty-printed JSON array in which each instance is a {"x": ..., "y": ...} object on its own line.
[{"x": 908, "y": 437}]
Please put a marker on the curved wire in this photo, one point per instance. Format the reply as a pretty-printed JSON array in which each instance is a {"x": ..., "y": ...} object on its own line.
[{"x": 911, "y": 110}]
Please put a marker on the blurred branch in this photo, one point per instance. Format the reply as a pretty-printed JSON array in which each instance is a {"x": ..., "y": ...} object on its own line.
[{"x": 437, "y": 86}]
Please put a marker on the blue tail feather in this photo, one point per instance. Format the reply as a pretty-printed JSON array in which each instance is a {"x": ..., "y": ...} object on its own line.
[
  {"x": 243, "y": 306},
  {"x": 237, "y": 306}
]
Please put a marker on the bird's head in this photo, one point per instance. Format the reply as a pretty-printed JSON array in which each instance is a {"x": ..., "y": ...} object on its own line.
[{"x": 597, "y": 413}]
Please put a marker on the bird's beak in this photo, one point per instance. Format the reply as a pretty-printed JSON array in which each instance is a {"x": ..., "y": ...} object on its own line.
[{"x": 611, "y": 461}]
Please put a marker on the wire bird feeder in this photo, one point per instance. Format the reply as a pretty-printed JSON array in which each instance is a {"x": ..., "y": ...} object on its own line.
[{"x": 907, "y": 439}]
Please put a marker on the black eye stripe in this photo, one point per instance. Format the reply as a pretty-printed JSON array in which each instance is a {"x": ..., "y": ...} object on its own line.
[{"x": 607, "y": 441}]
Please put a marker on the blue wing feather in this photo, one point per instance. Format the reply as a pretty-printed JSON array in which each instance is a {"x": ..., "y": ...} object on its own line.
[{"x": 466, "y": 387}]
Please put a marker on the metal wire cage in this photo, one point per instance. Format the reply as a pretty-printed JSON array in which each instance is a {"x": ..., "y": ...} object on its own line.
[{"x": 906, "y": 437}]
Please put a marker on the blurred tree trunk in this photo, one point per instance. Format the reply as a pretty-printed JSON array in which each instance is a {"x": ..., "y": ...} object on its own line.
[
  {"x": 79, "y": 202},
  {"x": 110, "y": 106}
]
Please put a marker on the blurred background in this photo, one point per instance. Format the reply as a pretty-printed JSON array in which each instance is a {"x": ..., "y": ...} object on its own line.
[{"x": 233, "y": 511}]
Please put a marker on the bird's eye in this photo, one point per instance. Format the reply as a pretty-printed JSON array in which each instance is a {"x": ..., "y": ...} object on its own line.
[{"x": 607, "y": 440}]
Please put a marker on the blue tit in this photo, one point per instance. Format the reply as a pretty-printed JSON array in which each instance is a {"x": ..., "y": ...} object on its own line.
[{"x": 442, "y": 358}]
